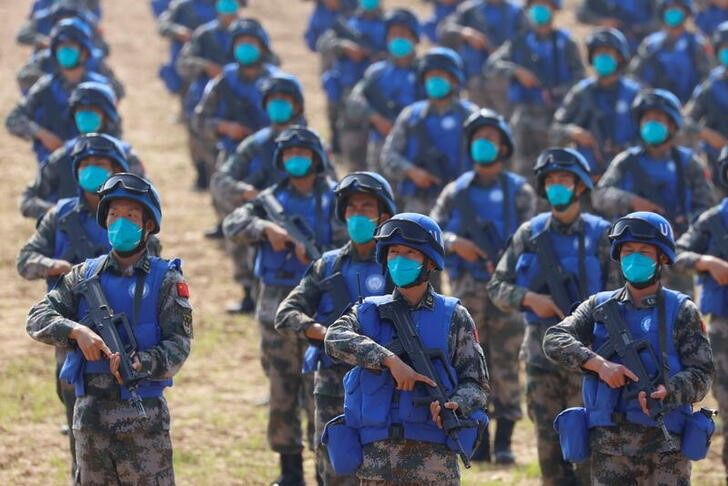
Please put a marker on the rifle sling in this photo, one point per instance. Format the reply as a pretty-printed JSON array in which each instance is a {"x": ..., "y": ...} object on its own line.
[
  {"x": 138, "y": 294},
  {"x": 662, "y": 325},
  {"x": 582, "y": 259}
]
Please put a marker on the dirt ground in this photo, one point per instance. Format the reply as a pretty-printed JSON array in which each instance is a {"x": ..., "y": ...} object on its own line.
[{"x": 218, "y": 424}]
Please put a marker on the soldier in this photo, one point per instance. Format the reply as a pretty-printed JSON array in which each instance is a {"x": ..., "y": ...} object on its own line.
[
  {"x": 231, "y": 107},
  {"x": 177, "y": 23},
  {"x": 441, "y": 9},
  {"x": 486, "y": 205},
  {"x": 542, "y": 63},
  {"x": 251, "y": 169},
  {"x": 401, "y": 441},
  {"x": 476, "y": 30},
  {"x": 330, "y": 286},
  {"x": 307, "y": 194},
  {"x": 658, "y": 175},
  {"x": 200, "y": 60},
  {"x": 325, "y": 14},
  {"x": 596, "y": 113},
  {"x": 113, "y": 443},
  {"x": 710, "y": 15},
  {"x": 634, "y": 18},
  {"x": 389, "y": 85},
  {"x": 552, "y": 262},
  {"x": 92, "y": 108},
  {"x": 673, "y": 58},
  {"x": 703, "y": 249},
  {"x": 626, "y": 446},
  {"x": 36, "y": 31},
  {"x": 704, "y": 113},
  {"x": 42, "y": 116},
  {"x": 425, "y": 149},
  {"x": 353, "y": 44}
]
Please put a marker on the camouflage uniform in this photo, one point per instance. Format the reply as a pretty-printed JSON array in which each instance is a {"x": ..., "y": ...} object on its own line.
[
  {"x": 691, "y": 246},
  {"x": 112, "y": 443},
  {"x": 281, "y": 356},
  {"x": 549, "y": 389},
  {"x": 501, "y": 333},
  {"x": 423, "y": 463},
  {"x": 294, "y": 317},
  {"x": 632, "y": 453}
]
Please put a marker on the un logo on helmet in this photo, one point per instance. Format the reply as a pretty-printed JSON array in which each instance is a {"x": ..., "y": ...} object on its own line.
[{"x": 665, "y": 229}]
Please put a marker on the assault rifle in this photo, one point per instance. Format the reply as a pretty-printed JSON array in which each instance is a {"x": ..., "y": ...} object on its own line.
[
  {"x": 558, "y": 281},
  {"x": 102, "y": 319},
  {"x": 408, "y": 344},
  {"x": 429, "y": 157},
  {"x": 483, "y": 234},
  {"x": 622, "y": 344},
  {"x": 346, "y": 32},
  {"x": 80, "y": 246},
  {"x": 295, "y": 225}
]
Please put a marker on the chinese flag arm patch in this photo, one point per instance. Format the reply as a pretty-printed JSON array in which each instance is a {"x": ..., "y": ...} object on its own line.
[
  {"x": 183, "y": 290},
  {"x": 477, "y": 336}
]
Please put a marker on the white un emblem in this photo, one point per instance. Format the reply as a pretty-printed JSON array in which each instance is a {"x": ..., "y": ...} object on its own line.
[
  {"x": 374, "y": 283},
  {"x": 646, "y": 323},
  {"x": 132, "y": 289}
]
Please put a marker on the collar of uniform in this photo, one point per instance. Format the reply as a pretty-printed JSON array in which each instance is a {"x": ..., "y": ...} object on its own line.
[
  {"x": 575, "y": 227},
  {"x": 647, "y": 302},
  {"x": 113, "y": 264},
  {"x": 427, "y": 301},
  {"x": 349, "y": 251},
  {"x": 476, "y": 181},
  {"x": 454, "y": 100},
  {"x": 316, "y": 189}
]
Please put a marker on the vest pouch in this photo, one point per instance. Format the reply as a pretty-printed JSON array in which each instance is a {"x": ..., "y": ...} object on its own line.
[
  {"x": 376, "y": 392},
  {"x": 712, "y": 299},
  {"x": 343, "y": 445},
  {"x": 469, "y": 435},
  {"x": 408, "y": 411},
  {"x": 696, "y": 436},
  {"x": 352, "y": 397},
  {"x": 572, "y": 427},
  {"x": 310, "y": 359},
  {"x": 147, "y": 335}
]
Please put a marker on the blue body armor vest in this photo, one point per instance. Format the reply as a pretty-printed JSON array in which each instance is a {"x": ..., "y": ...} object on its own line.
[
  {"x": 714, "y": 297},
  {"x": 496, "y": 204},
  {"x": 261, "y": 172},
  {"x": 89, "y": 228},
  {"x": 439, "y": 12},
  {"x": 443, "y": 131},
  {"x": 710, "y": 18},
  {"x": 320, "y": 21},
  {"x": 566, "y": 249},
  {"x": 370, "y": 404},
  {"x": 214, "y": 42},
  {"x": 546, "y": 58},
  {"x": 397, "y": 85},
  {"x": 716, "y": 105},
  {"x": 317, "y": 209},
  {"x": 671, "y": 66},
  {"x": 600, "y": 400},
  {"x": 498, "y": 22},
  {"x": 120, "y": 292}
]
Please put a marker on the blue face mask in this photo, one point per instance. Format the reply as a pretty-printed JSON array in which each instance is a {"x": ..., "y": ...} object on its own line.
[
  {"x": 226, "y": 7},
  {"x": 604, "y": 64},
  {"x": 483, "y": 151},
  {"x": 437, "y": 87},
  {"x": 247, "y": 53},
  {"x": 368, "y": 4},
  {"x": 539, "y": 14},
  {"x": 654, "y": 132},
  {"x": 637, "y": 268},
  {"x": 124, "y": 235},
  {"x": 298, "y": 166},
  {"x": 558, "y": 195},
  {"x": 91, "y": 178},
  {"x": 279, "y": 110},
  {"x": 68, "y": 56},
  {"x": 400, "y": 47},
  {"x": 403, "y": 270},
  {"x": 360, "y": 228},
  {"x": 723, "y": 56},
  {"x": 87, "y": 121},
  {"x": 673, "y": 16}
]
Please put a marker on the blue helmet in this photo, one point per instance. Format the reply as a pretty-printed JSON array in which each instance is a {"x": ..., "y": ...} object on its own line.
[
  {"x": 567, "y": 159},
  {"x": 441, "y": 58},
  {"x": 555, "y": 3},
  {"x": 686, "y": 4},
  {"x": 402, "y": 16},
  {"x": 93, "y": 93},
  {"x": 134, "y": 188},
  {"x": 643, "y": 227},
  {"x": 300, "y": 136},
  {"x": 251, "y": 27},
  {"x": 72, "y": 30},
  {"x": 608, "y": 38},
  {"x": 658, "y": 99},
  {"x": 487, "y": 117},
  {"x": 282, "y": 83},
  {"x": 720, "y": 35},
  {"x": 364, "y": 183},
  {"x": 414, "y": 230},
  {"x": 99, "y": 145}
]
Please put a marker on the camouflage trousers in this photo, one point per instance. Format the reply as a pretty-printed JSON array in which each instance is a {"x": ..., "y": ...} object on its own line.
[
  {"x": 290, "y": 391},
  {"x": 530, "y": 129},
  {"x": 408, "y": 462},
  {"x": 328, "y": 407},
  {"x": 67, "y": 394},
  {"x": 662, "y": 469},
  {"x": 138, "y": 458},
  {"x": 548, "y": 392},
  {"x": 500, "y": 335},
  {"x": 202, "y": 151},
  {"x": 490, "y": 93},
  {"x": 718, "y": 333}
]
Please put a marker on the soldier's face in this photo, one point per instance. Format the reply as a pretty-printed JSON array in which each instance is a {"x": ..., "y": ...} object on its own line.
[
  {"x": 102, "y": 162},
  {"x": 399, "y": 30},
  {"x": 489, "y": 133},
  {"x": 650, "y": 251},
  {"x": 362, "y": 205},
  {"x": 559, "y": 177},
  {"x": 130, "y": 210},
  {"x": 406, "y": 252},
  {"x": 291, "y": 152}
]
